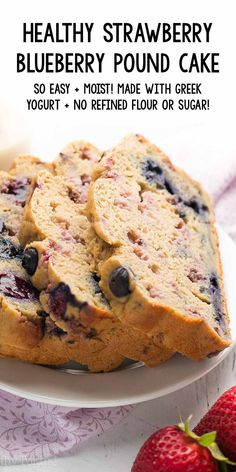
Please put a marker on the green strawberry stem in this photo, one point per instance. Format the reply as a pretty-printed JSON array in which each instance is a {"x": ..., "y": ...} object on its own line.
[
  {"x": 208, "y": 440},
  {"x": 222, "y": 467}
]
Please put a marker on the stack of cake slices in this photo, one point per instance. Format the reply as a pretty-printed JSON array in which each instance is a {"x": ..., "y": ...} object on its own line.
[{"x": 107, "y": 256}]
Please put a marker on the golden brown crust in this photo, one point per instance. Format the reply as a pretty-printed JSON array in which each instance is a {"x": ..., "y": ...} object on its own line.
[{"x": 52, "y": 351}]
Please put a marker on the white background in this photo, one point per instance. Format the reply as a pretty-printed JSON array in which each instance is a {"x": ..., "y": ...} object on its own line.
[{"x": 49, "y": 130}]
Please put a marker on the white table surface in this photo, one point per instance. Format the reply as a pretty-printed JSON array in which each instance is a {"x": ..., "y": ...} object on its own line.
[{"x": 115, "y": 449}]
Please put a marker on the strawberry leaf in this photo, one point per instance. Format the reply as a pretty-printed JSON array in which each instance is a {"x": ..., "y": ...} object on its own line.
[
  {"x": 185, "y": 427},
  {"x": 218, "y": 455},
  {"x": 207, "y": 439}
]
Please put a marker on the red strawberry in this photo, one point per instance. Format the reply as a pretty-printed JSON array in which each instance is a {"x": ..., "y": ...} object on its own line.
[
  {"x": 178, "y": 449},
  {"x": 172, "y": 450},
  {"x": 222, "y": 419}
]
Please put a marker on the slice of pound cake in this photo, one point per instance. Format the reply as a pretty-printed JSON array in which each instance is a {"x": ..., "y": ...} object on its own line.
[
  {"x": 162, "y": 272},
  {"x": 62, "y": 256},
  {"x": 26, "y": 331},
  {"x": 20, "y": 319}
]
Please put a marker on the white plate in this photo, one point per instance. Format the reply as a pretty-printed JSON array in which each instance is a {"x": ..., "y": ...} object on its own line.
[{"x": 130, "y": 385}]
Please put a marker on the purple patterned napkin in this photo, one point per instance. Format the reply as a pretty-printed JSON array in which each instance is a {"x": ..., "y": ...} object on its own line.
[{"x": 32, "y": 431}]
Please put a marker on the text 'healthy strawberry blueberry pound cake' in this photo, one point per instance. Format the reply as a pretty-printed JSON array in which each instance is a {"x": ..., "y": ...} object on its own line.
[{"x": 162, "y": 271}]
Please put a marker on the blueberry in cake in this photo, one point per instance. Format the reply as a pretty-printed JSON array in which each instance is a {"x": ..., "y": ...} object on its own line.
[
  {"x": 26, "y": 331},
  {"x": 62, "y": 255},
  {"x": 20, "y": 323},
  {"x": 162, "y": 271}
]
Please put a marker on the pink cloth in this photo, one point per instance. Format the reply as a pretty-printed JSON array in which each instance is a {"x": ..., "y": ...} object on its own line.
[{"x": 32, "y": 431}]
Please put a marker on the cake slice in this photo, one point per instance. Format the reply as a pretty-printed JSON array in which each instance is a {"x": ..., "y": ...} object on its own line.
[
  {"x": 162, "y": 272},
  {"x": 62, "y": 255},
  {"x": 21, "y": 323},
  {"x": 26, "y": 331}
]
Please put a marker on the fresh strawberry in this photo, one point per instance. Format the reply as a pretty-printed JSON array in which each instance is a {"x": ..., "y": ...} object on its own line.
[
  {"x": 172, "y": 450},
  {"x": 178, "y": 449},
  {"x": 222, "y": 419}
]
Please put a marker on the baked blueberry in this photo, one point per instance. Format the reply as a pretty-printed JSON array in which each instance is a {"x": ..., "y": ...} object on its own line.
[
  {"x": 152, "y": 169},
  {"x": 153, "y": 173},
  {"x": 96, "y": 288},
  {"x": 214, "y": 283},
  {"x": 216, "y": 297},
  {"x": 57, "y": 332},
  {"x": 183, "y": 215},
  {"x": 30, "y": 260},
  {"x": 119, "y": 282},
  {"x": 169, "y": 187},
  {"x": 43, "y": 314},
  {"x": 2, "y": 225},
  {"x": 15, "y": 287},
  {"x": 59, "y": 297},
  {"x": 95, "y": 281},
  {"x": 196, "y": 206},
  {"x": 156, "y": 175},
  {"x": 8, "y": 250}
]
